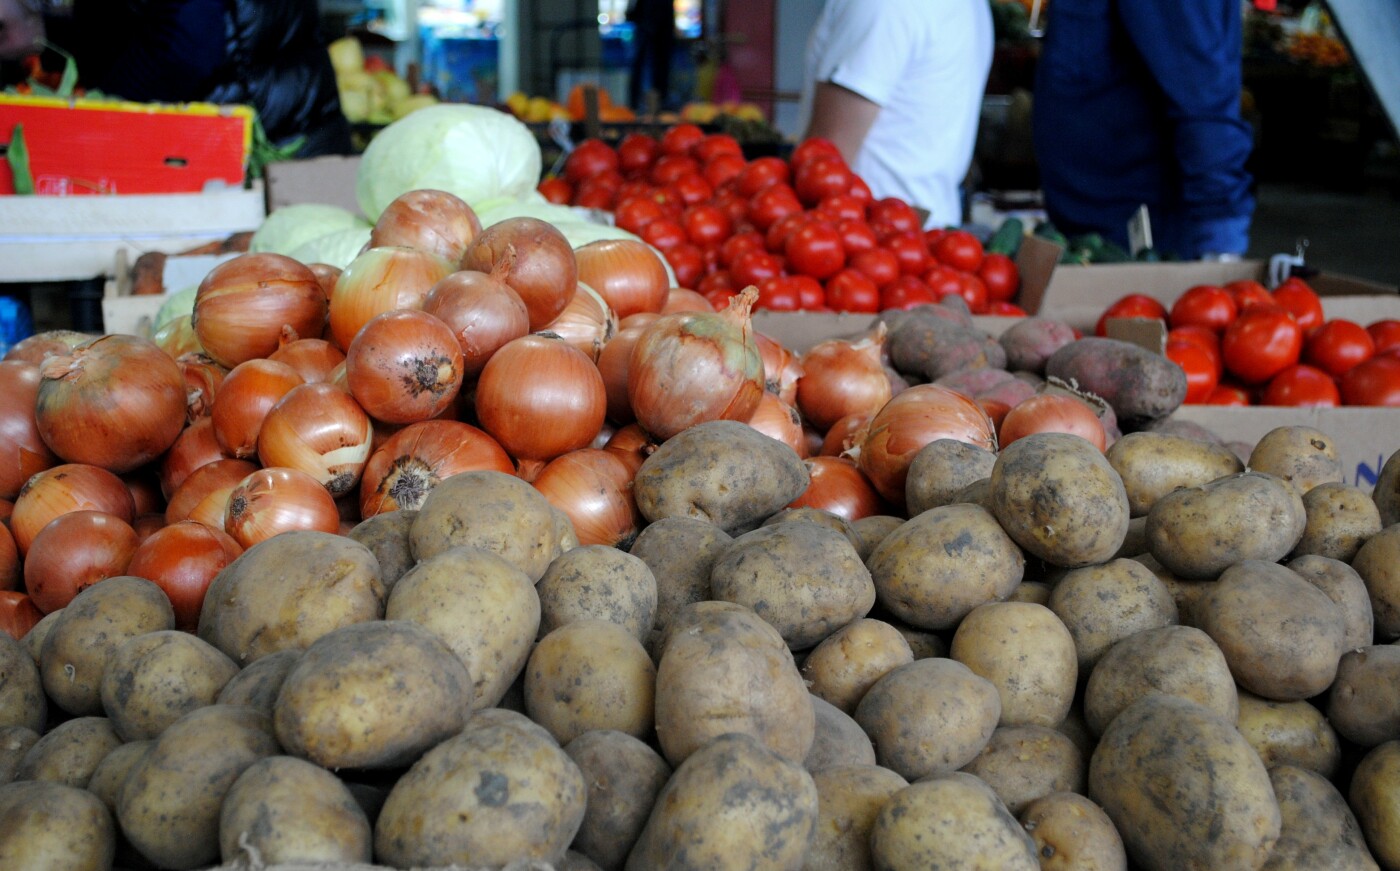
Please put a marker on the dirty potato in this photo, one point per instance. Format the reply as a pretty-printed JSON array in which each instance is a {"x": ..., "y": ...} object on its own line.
[
  {"x": 1027, "y": 654},
  {"x": 1101, "y": 605},
  {"x": 1301, "y": 455},
  {"x": 1198, "y": 532},
  {"x": 1152, "y": 464}
]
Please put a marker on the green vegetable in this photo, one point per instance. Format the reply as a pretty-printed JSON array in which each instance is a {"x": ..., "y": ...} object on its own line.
[
  {"x": 17, "y": 155},
  {"x": 287, "y": 228},
  {"x": 1007, "y": 239},
  {"x": 181, "y": 302},
  {"x": 337, "y": 248}
]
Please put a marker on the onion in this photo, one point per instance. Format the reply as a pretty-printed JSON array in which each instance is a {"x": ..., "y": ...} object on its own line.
[
  {"x": 841, "y": 437},
  {"x": 202, "y": 380},
  {"x": 117, "y": 402},
  {"x": 177, "y": 337},
  {"x": 541, "y": 397},
  {"x": 313, "y": 359},
  {"x": 9, "y": 560},
  {"x": 18, "y": 614},
  {"x": 22, "y": 450},
  {"x": 147, "y": 525},
  {"x": 244, "y": 399},
  {"x": 680, "y": 299},
  {"x": 404, "y": 366},
  {"x": 419, "y": 457},
  {"x": 144, "y": 487},
  {"x": 586, "y": 322},
  {"x": 482, "y": 312},
  {"x": 243, "y": 304},
  {"x": 632, "y": 445},
  {"x": 320, "y": 430},
  {"x": 195, "y": 447},
  {"x": 613, "y": 363},
  {"x": 594, "y": 488},
  {"x": 692, "y": 367},
  {"x": 74, "y": 552},
  {"x": 534, "y": 258},
  {"x": 326, "y": 276},
  {"x": 627, "y": 273},
  {"x": 182, "y": 559},
  {"x": 427, "y": 220},
  {"x": 41, "y": 346},
  {"x": 7, "y": 508},
  {"x": 638, "y": 320},
  {"x": 61, "y": 489},
  {"x": 778, "y": 420},
  {"x": 205, "y": 491},
  {"x": 781, "y": 369},
  {"x": 839, "y": 487},
  {"x": 1052, "y": 412},
  {"x": 814, "y": 438},
  {"x": 841, "y": 378},
  {"x": 272, "y": 501},
  {"x": 912, "y": 419},
  {"x": 381, "y": 280}
]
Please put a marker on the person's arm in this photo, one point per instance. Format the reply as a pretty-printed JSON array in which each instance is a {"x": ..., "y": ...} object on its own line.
[{"x": 843, "y": 116}]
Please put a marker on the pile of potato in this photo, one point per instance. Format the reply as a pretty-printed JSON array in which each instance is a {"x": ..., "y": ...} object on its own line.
[{"x": 1065, "y": 658}]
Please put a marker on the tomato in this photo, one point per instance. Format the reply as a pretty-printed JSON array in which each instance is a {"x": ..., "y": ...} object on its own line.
[
  {"x": 894, "y": 214},
  {"x": 591, "y": 195},
  {"x": 1204, "y": 338},
  {"x": 672, "y": 206},
  {"x": 772, "y": 203},
  {"x": 556, "y": 190},
  {"x": 1001, "y": 276},
  {"x": 705, "y": 224},
  {"x": 906, "y": 291},
  {"x": 716, "y": 145},
  {"x": 636, "y": 153},
  {"x": 1199, "y": 366},
  {"x": 718, "y": 280},
  {"x": 724, "y": 168},
  {"x": 681, "y": 138},
  {"x": 815, "y": 249},
  {"x": 752, "y": 267},
  {"x": 589, "y": 158},
  {"x": 848, "y": 290},
  {"x": 908, "y": 248},
  {"x": 809, "y": 290},
  {"x": 841, "y": 207},
  {"x": 733, "y": 205},
  {"x": 634, "y": 187},
  {"x": 673, "y": 166},
  {"x": 1204, "y": 305},
  {"x": 856, "y": 236},
  {"x": 1133, "y": 305},
  {"x": 1375, "y": 382},
  {"x": 1338, "y": 345},
  {"x": 821, "y": 177},
  {"x": 932, "y": 235},
  {"x": 776, "y": 237},
  {"x": 761, "y": 173},
  {"x": 664, "y": 233},
  {"x": 861, "y": 191},
  {"x": 634, "y": 213},
  {"x": 1228, "y": 394},
  {"x": 1295, "y": 295},
  {"x": 943, "y": 281},
  {"x": 960, "y": 250},
  {"x": 1262, "y": 342},
  {"x": 1385, "y": 333},
  {"x": 1301, "y": 385},
  {"x": 778, "y": 294},
  {"x": 711, "y": 253},
  {"x": 693, "y": 189},
  {"x": 719, "y": 297},
  {"x": 1002, "y": 308},
  {"x": 973, "y": 291},
  {"x": 688, "y": 262},
  {"x": 1248, "y": 292},
  {"x": 879, "y": 265},
  {"x": 738, "y": 244},
  {"x": 813, "y": 147}
]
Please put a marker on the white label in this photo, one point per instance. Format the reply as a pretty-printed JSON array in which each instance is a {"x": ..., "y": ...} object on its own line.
[{"x": 1139, "y": 231}]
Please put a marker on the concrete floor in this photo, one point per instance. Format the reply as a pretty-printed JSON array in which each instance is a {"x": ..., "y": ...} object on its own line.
[{"x": 1355, "y": 234}]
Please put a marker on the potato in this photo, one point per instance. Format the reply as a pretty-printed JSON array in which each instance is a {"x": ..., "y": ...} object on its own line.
[
  {"x": 729, "y": 803},
  {"x": 1289, "y": 733},
  {"x": 52, "y": 827},
  {"x": 386, "y": 536},
  {"x": 1198, "y": 532},
  {"x": 33, "y": 640},
  {"x": 1027, "y": 654},
  {"x": 1318, "y": 830},
  {"x": 288, "y": 591},
  {"x": 923, "y": 645},
  {"x": 109, "y": 775},
  {"x": 852, "y": 658},
  {"x": 1386, "y": 493},
  {"x": 1301, "y": 455},
  {"x": 507, "y": 717},
  {"x": 590, "y": 674},
  {"x": 1140, "y": 385},
  {"x": 820, "y": 517},
  {"x": 155, "y": 679},
  {"x": 1281, "y": 636},
  {"x": 1056, "y": 495},
  {"x": 680, "y": 552},
  {"x": 722, "y": 471},
  {"x": 977, "y": 493},
  {"x": 291, "y": 811},
  {"x": 1187, "y": 595},
  {"x": 485, "y": 608},
  {"x": 623, "y": 776},
  {"x": 1024, "y": 763},
  {"x": 258, "y": 684},
  {"x": 938, "y": 566},
  {"x": 1030, "y": 342},
  {"x": 95, "y": 624},
  {"x": 1374, "y": 797},
  {"x": 1031, "y": 593},
  {"x": 941, "y": 469},
  {"x": 804, "y": 579},
  {"x": 1135, "y": 543},
  {"x": 1183, "y": 787},
  {"x": 22, "y": 701},
  {"x": 932, "y": 716},
  {"x": 70, "y": 752},
  {"x": 598, "y": 583},
  {"x": 372, "y": 695},
  {"x": 1174, "y": 660},
  {"x": 1340, "y": 517},
  {"x": 849, "y": 797},
  {"x": 576, "y": 862},
  {"x": 168, "y": 806},
  {"x": 1364, "y": 706},
  {"x": 873, "y": 530},
  {"x": 15, "y": 741},
  {"x": 492, "y": 795},
  {"x": 838, "y": 740},
  {"x": 1071, "y": 833},
  {"x": 1101, "y": 605},
  {"x": 927, "y": 343},
  {"x": 950, "y": 821},
  {"x": 1153, "y": 464},
  {"x": 731, "y": 672},
  {"x": 1378, "y": 564},
  {"x": 1347, "y": 591},
  {"x": 495, "y": 512}
]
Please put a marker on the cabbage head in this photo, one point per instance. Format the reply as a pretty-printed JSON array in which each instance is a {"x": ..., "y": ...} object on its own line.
[
  {"x": 337, "y": 248},
  {"x": 287, "y": 228},
  {"x": 475, "y": 152},
  {"x": 180, "y": 302}
]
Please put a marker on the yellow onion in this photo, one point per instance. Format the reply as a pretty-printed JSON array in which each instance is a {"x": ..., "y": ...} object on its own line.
[{"x": 243, "y": 304}]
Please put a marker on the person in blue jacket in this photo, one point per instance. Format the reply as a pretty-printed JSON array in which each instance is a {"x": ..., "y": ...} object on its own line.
[{"x": 1138, "y": 102}]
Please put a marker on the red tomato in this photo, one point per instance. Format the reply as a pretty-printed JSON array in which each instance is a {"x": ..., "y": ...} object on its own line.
[
  {"x": 809, "y": 290},
  {"x": 841, "y": 207},
  {"x": 1228, "y": 394},
  {"x": 1375, "y": 382},
  {"x": 772, "y": 203},
  {"x": 848, "y": 290},
  {"x": 778, "y": 294},
  {"x": 1134, "y": 305},
  {"x": 752, "y": 267},
  {"x": 670, "y": 202},
  {"x": 777, "y": 235},
  {"x": 815, "y": 249},
  {"x": 932, "y": 236},
  {"x": 705, "y": 224},
  {"x": 1385, "y": 333},
  {"x": 671, "y": 167},
  {"x": 634, "y": 213},
  {"x": 943, "y": 281},
  {"x": 1338, "y": 345},
  {"x": 716, "y": 145},
  {"x": 1301, "y": 385},
  {"x": 693, "y": 189},
  {"x": 1204, "y": 305},
  {"x": 1262, "y": 342},
  {"x": 608, "y": 178},
  {"x": 1001, "y": 276},
  {"x": 636, "y": 153},
  {"x": 880, "y": 266},
  {"x": 908, "y": 248},
  {"x": 1295, "y": 295},
  {"x": 719, "y": 297},
  {"x": 724, "y": 168},
  {"x": 681, "y": 138},
  {"x": 733, "y": 205},
  {"x": 556, "y": 190},
  {"x": 861, "y": 191},
  {"x": 1002, "y": 308},
  {"x": 893, "y": 214},
  {"x": 960, "y": 250},
  {"x": 718, "y": 280},
  {"x": 821, "y": 177},
  {"x": 1248, "y": 292},
  {"x": 1204, "y": 338},
  {"x": 595, "y": 196},
  {"x": 1199, "y": 366},
  {"x": 711, "y": 257},
  {"x": 813, "y": 147},
  {"x": 634, "y": 187},
  {"x": 761, "y": 173},
  {"x": 688, "y": 262},
  {"x": 664, "y": 233},
  {"x": 971, "y": 289},
  {"x": 589, "y": 158},
  {"x": 856, "y": 236},
  {"x": 738, "y": 244},
  {"x": 906, "y": 291}
]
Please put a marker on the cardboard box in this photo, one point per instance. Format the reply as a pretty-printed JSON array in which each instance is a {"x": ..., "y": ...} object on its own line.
[{"x": 329, "y": 180}]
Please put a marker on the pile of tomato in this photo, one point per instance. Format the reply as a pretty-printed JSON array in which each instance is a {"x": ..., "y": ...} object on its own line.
[
  {"x": 805, "y": 231},
  {"x": 1240, "y": 344}
]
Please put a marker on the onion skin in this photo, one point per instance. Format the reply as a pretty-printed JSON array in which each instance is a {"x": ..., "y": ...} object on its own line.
[
  {"x": 418, "y": 457},
  {"x": 381, "y": 280},
  {"x": 404, "y": 367},
  {"x": 534, "y": 258},
  {"x": 586, "y": 322},
  {"x": 318, "y": 429},
  {"x": 203, "y": 378},
  {"x": 594, "y": 488},
  {"x": 632, "y": 445},
  {"x": 66, "y": 488},
  {"x": 313, "y": 359},
  {"x": 681, "y": 299},
  {"x": 613, "y": 364},
  {"x": 10, "y": 573},
  {"x": 917, "y": 416},
  {"x": 243, "y": 304},
  {"x": 117, "y": 402},
  {"x": 628, "y": 275},
  {"x": 841, "y": 378},
  {"x": 244, "y": 399},
  {"x": 272, "y": 501},
  {"x": 195, "y": 447},
  {"x": 210, "y": 483},
  {"x": 1050, "y": 412},
  {"x": 781, "y": 369},
  {"x": 428, "y": 220},
  {"x": 22, "y": 450},
  {"x": 182, "y": 559},
  {"x": 177, "y": 337},
  {"x": 18, "y": 614},
  {"x": 482, "y": 312},
  {"x": 540, "y": 397},
  {"x": 839, "y": 487},
  {"x": 74, "y": 552},
  {"x": 326, "y": 276},
  {"x": 40, "y": 346},
  {"x": 778, "y": 420}
]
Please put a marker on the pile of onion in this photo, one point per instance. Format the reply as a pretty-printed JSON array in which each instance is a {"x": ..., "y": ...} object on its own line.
[
  {"x": 627, "y": 273},
  {"x": 841, "y": 378},
  {"x": 531, "y": 256},
  {"x": 22, "y": 450},
  {"x": 433, "y": 221},
  {"x": 917, "y": 416},
  {"x": 414, "y": 460},
  {"x": 380, "y": 280},
  {"x": 540, "y": 397},
  {"x": 482, "y": 312},
  {"x": 243, "y": 304}
]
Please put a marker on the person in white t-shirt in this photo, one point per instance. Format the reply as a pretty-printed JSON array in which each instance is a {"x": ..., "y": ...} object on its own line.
[{"x": 897, "y": 86}]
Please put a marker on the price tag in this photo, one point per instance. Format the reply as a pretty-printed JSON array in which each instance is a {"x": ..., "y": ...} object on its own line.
[{"x": 1139, "y": 231}]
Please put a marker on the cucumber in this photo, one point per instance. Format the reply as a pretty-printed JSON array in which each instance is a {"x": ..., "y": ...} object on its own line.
[{"x": 1007, "y": 239}]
